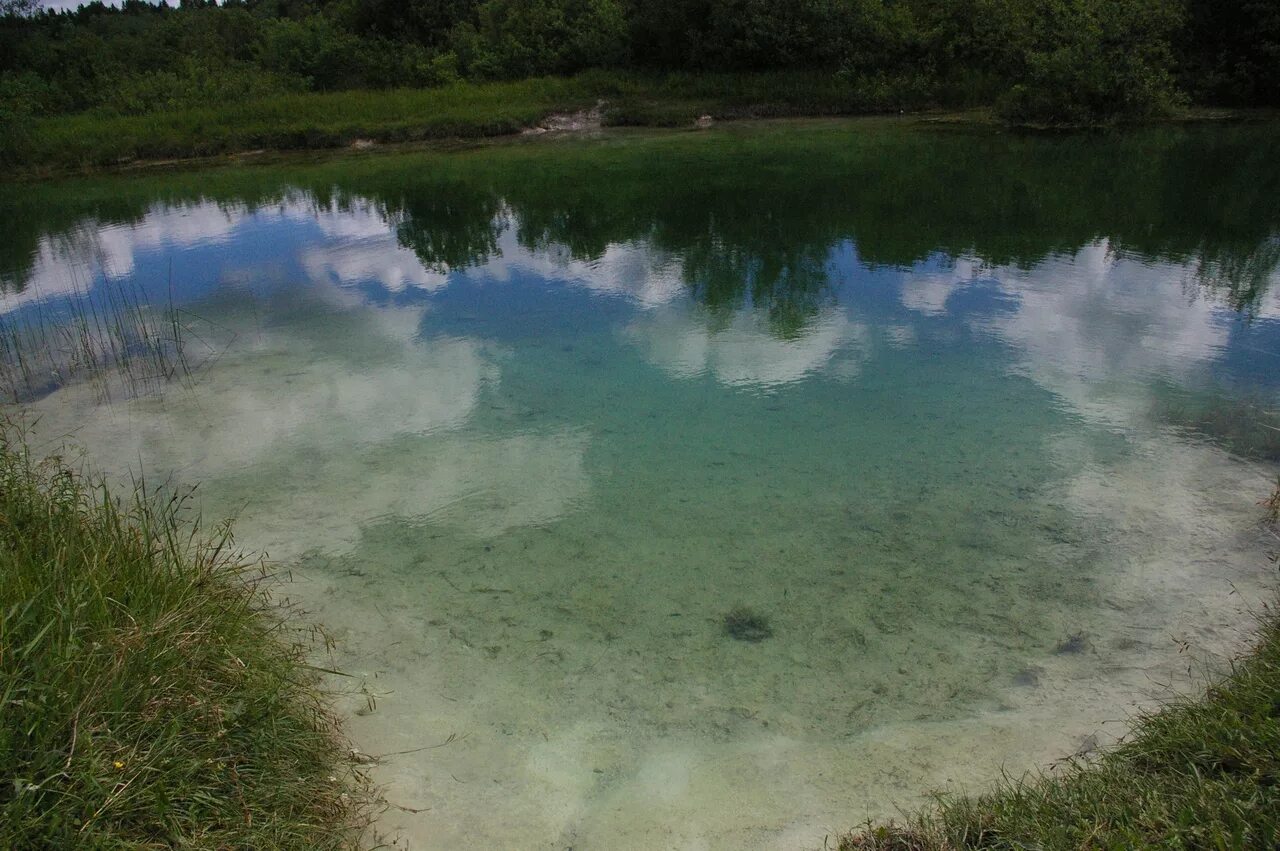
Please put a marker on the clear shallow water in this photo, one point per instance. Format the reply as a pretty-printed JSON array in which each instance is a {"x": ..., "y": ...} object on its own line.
[{"x": 971, "y": 419}]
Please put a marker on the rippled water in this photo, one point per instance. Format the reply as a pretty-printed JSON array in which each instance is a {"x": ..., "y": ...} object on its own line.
[{"x": 977, "y": 423}]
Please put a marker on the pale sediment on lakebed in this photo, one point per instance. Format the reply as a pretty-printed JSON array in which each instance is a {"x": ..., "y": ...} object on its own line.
[{"x": 555, "y": 736}]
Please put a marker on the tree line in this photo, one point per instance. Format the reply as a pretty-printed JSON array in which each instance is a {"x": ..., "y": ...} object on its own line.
[{"x": 1039, "y": 61}]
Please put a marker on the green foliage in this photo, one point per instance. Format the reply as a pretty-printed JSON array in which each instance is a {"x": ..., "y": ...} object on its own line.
[
  {"x": 312, "y": 49},
  {"x": 1086, "y": 62},
  {"x": 426, "y": 22},
  {"x": 23, "y": 96},
  {"x": 191, "y": 84},
  {"x": 26, "y": 93},
  {"x": 452, "y": 109},
  {"x": 527, "y": 38},
  {"x": 1043, "y": 62},
  {"x": 15, "y": 134},
  {"x": 759, "y": 34},
  {"x": 295, "y": 121},
  {"x": 1231, "y": 51},
  {"x": 755, "y": 34},
  {"x": 151, "y": 695}
]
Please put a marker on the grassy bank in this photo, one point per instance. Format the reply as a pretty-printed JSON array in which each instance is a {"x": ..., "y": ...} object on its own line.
[
  {"x": 91, "y": 141},
  {"x": 1202, "y": 773},
  {"x": 150, "y": 695},
  {"x": 462, "y": 110}
]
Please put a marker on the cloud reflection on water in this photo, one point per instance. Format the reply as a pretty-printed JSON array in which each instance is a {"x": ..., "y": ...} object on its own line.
[
  {"x": 1080, "y": 319},
  {"x": 1081, "y": 323}
]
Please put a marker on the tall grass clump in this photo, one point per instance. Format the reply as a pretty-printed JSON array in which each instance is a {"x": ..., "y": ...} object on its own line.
[
  {"x": 122, "y": 344},
  {"x": 151, "y": 695}
]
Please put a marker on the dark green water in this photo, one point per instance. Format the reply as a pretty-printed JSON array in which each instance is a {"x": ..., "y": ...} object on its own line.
[{"x": 977, "y": 422}]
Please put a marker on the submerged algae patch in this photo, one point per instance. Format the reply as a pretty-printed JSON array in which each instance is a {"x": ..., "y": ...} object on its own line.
[{"x": 746, "y": 624}]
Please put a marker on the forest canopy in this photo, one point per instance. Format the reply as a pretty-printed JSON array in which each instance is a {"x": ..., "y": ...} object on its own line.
[{"x": 1037, "y": 61}]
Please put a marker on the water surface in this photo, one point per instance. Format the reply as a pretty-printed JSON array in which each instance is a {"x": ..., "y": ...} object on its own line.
[{"x": 977, "y": 422}]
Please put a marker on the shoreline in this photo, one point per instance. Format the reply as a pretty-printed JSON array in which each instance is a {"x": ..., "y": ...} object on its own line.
[
  {"x": 1196, "y": 770},
  {"x": 334, "y": 124}
]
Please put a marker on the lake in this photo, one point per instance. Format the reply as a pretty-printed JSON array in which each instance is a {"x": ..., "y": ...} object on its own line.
[{"x": 708, "y": 489}]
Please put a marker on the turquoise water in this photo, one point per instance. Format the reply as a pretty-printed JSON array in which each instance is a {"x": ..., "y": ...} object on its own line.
[{"x": 976, "y": 423}]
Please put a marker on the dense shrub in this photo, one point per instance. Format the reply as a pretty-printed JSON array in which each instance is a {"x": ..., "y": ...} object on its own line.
[
  {"x": 1084, "y": 62},
  {"x": 1232, "y": 51},
  {"x": 530, "y": 38},
  {"x": 193, "y": 84},
  {"x": 313, "y": 49},
  {"x": 15, "y": 134},
  {"x": 1041, "y": 61}
]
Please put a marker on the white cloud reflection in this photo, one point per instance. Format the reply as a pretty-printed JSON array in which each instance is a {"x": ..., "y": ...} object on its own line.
[
  {"x": 745, "y": 352},
  {"x": 928, "y": 292},
  {"x": 362, "y": 417},
  {"x": 359, "y": 246},
  {"x": 1085, "y": 322},
  {"x": 67, "y": 264},
  {"x": 380, "y": 259},
  {"x": 634, "y": 270},
  {"x": 1079, "y": 320}
]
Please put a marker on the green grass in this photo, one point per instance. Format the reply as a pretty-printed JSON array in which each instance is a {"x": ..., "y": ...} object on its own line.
[
  {"x": 462, "y": 110},
  {"x": 151, "y": 695},
  {"x": 1199, "y": 773},
  {"x": 465, "y": 110},
  {"x": 298, "y": 121},
  {"x": 125, "y": 345}
]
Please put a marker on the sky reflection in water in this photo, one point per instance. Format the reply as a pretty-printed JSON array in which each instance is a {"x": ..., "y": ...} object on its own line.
[{"x": 538, "y": 416}]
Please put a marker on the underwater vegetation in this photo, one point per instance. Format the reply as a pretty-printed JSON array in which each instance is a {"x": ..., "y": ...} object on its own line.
[
  {"x": 1248, "y": 427},
  {"x": 1075, "y": 643},
  {"x": 745, "y": 624}
]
